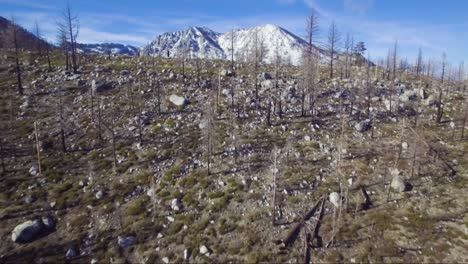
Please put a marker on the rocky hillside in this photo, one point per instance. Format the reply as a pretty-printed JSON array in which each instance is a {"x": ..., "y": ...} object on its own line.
[
  {"x": 135, "y": 160},
  {"x": 27, "y": 40}
]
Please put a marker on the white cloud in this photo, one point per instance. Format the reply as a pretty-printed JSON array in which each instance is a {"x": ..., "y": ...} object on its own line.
[{"x": 359, "y": 6}]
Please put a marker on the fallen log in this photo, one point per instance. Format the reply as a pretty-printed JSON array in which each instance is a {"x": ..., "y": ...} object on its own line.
[{"x": 295, "y": 231}]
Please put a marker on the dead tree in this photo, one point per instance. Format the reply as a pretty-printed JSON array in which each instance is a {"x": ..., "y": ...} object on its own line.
[
  {"x": 440, "y": 104},
  {"x": 348, "y": 54},
  {"x": 209, "y": 128},
  {"x": 419, "y": 63},
  {"x": 232, "y": 36},
  {"x": 61, "y": 118},
  {"x": 333, "y": 43},
  {"x": 111, "y": 127},
  {"x": 257, "y": 55},
  {"x": 394, "y": 59},
  {"x": 198, "y": 70},
  {"x": 38, "y": 40},
  {"x": 275, "y": 171},
  {"x": 49, "y": 65},
  {"x": 14, "y": 32},
  {"x": 38, "y": 148},
  {"x": 183, "y": 55},
  {"x": 68, "y": 26},
  {"x": 309, "y": 68},
  {"x": 465, "y": 117},
  {"x": 99, "y": 120},
  {"x": 64, "y": 46},
  {"x": 158, "y": 93}
]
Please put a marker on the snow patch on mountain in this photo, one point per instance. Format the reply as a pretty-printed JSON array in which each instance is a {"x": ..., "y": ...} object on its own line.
[{"x": 105, "y": 48}]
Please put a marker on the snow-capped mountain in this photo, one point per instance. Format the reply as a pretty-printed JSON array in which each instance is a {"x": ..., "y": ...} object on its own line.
[
  {"x": 205, "y": 43},
  {"x": 273, "y": 39},
  {"x": 195, "y": 42},
  {"x": 105, "y": 48}
]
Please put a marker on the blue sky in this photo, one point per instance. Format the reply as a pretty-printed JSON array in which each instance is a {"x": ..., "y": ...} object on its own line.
[{"x": 434, "y": 25}]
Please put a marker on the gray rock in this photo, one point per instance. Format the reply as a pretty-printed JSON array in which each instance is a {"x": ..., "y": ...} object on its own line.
[
  {"x": 266, "y": 76},
  {"x": 125, "y": 242},
  {"x": 80, "y": 83},
  {"x": 172, "y": 76},
  {"x": 409, "y": 95},
  {"x": 267, "y": 84},
  {"x": 176, "y": 205},
  {"x": 205, "y": 84},
  {"x": 34, "y": 170},
  {"x": 334, "y": 198},
  {"x": 27, "y": 231},
  {"x": 71, "y": 253},
  {"x": 29, "y": 199},
  {"x": 187, "y": 254},
  {"x": 227, "y": 73},
  {"x": 177, "y": 100},
  {"x": 49, "y": 223},
  {"x": 398, "y": 184},
  {"x": 99, "y": 195},
  {"x": 363, "y": 126},
  {"x": 204, "y": 250},
  {"x": 99, "y": 86}
]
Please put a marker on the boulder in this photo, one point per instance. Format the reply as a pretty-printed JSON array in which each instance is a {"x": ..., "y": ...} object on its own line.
[
  {"x": 363, "y": 126},
  {"x": 205, "y": 84},
  {"x": 398, "y": 184},
  {"x": 227, "y": 73},
  {"x": 80, "y": 83},
  {"x": 49, "y": 223},
  {"x": 34, "y": 170},
  {"x": 187, "y": 254},
  {"x": 334, "y": 198},
  {"x": 267, "y": 84},
  {"x": 176, "y": 205},
  {"x": 177, "y": 100},
  {"x": 409, "y": 95},
  {"x": 204, "y": 250},
  {"x": 71, "y": 253},
  {"x": 27, "y": 231},
  {"x": 172, "y": 76},
  {"x": 100, "y": 86},
  {"x": 99, "y": 195},
  {"x": 125, "y": 242},
  {"x": 29, "y": 199},
  {"x": 266, "y": 76}
]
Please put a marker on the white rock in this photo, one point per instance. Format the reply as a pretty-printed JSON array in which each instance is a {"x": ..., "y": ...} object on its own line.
[
  {"x": 187, "y": 254},
  {"x": 27, "y": 231},
  {"x": 99, "y": 195},
  {"x": 176, "y": 204},
  {"x": 205, "y": 250},
  {"x": 398, "y": 184},
  {"x": 335, "y": 199},
  {"x": 177, "y": 100},
  {"x": 34, "y": 170},
  {"x": 165, "y": 260},
  {"x": 404, "y": 145}
]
